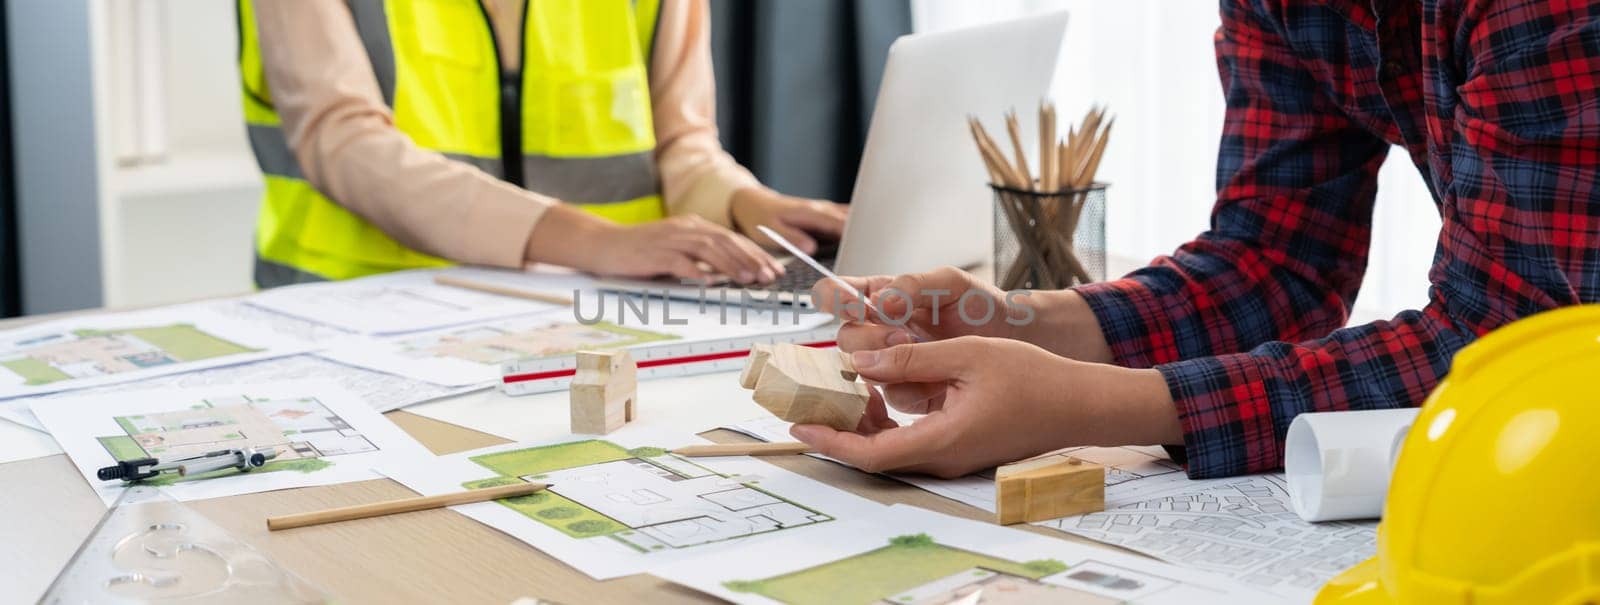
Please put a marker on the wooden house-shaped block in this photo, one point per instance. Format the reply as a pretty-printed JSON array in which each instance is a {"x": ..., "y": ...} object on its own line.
[{"x": 806, "y": 385}]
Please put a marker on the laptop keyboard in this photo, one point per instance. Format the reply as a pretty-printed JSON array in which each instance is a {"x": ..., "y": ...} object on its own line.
[{"x": 797, "y": 277}]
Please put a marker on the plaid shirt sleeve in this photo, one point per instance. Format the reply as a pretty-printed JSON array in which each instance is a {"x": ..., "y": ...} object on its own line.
[{"x": 1243, "y": 321}]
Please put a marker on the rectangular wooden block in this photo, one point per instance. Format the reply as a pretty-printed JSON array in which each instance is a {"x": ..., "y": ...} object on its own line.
[
  {"x": 1049, "y": 487},
  {"x": 806, "y": 385},
  {"x": 603, "y": 391}
]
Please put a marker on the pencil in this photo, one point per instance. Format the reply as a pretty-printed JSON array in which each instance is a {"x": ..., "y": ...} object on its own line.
[
  {"x": 403, "y": 505},
  {"x": 467, "y": 284},
  {"x": 744, "y": 449}
]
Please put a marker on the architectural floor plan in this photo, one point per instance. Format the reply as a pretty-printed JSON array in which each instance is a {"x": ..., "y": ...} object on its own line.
[
  {"x": 322, "y": 433},
  {"x": 302, "y": 430},
  {"x": 495, "y": 344},
  {"x": 623, "y": 504},
  {"x": 912, "y": 556},
  {"x": 472, "y": 354},
  {"x": 396, "y": 303},
  {"x": 51, "y": 357},
  {"x": 916, "y": 570},
  {"x": 1130, "y": 471},
  {"x": 644, "y": 498}
]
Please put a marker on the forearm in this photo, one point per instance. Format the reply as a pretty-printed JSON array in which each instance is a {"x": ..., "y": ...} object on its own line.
[
  {"x": 567, "y": 237},
  {"x": 345, "y": 141},
  {"x": 697, "y": 176},
  {"x": 1063, "y": 324},
  {"x": 1235, "y": 410},
  {"x": 1115, "y": 406}
]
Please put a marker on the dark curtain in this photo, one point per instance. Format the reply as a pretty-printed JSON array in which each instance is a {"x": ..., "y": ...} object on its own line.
[
  {"x": 10, "y": 280},
  {"x": 796, "y": 83}
]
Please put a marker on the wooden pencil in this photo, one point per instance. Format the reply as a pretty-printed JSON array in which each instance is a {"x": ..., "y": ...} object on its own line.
[
  {"x": 1015, "y": 130},
  {"x": 781, "y": 448},
  {"x": 403, "y": 505},
  {"x": 467, "y": 284}
]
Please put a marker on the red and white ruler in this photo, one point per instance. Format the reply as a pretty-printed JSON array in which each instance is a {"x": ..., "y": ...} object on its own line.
[{"x": 658, "y": 360}]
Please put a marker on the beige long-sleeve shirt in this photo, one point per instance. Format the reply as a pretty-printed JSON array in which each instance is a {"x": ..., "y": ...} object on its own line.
[{"x": 347, "y": 145}]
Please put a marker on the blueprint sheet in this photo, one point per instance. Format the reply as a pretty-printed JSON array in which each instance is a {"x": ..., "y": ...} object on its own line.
[
  {"x": 1131, "y": 472},
  {"x": 1242, "y": 528},
  {"x": 621, "y": 504},
  {"x": 407, "y": 301},
  {"x": 382, "y": 392},
  {"x": 322, "y": 435},
  {"x": 920, "y": 557}
]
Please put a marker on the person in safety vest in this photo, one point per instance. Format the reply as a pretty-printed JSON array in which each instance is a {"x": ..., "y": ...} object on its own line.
[{"x": 418, "y": 133}]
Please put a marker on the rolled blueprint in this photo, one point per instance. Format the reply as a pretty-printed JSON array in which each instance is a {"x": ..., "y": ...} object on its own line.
[{"x": 1339, "y": 463}]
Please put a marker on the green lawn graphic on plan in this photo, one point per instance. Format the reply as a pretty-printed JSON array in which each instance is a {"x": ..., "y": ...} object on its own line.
[
  {"x": 643, "y": 498},
  {"x": 303, "y": 431},
  {"x": 87, "y": 353},
  {"x": 911, "y": 568}
]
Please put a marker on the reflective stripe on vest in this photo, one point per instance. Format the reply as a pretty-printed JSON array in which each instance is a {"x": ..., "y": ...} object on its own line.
[{"x": 586, "y": 129}]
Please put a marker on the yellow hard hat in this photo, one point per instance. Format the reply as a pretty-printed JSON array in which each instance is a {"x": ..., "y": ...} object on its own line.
[{"x": 1496, "y": 495}]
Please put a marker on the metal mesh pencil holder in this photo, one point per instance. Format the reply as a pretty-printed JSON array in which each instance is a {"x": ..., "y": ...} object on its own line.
[{"x": 1048, "y": 241}]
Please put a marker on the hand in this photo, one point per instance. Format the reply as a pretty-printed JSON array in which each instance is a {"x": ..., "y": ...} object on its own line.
[
  {"x": 943, "y": 303},
  {"x": 998, "y": 401},
  {"x": 796, "y": 219},
  {"x": 948, "y": 302},
  {"x": 687, "y": 247}
]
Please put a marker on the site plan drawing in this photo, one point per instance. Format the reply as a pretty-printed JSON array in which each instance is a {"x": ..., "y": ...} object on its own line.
[
  {"x": 912, "y": 556},
  {"x": 1130, "y": 471},
  {"x": 85, "y": 351},
  {"x": 395, "y": 303},
  {"x": 1242, "y": 528},
  {"x": 472, "y": 354},
  {"x": 620, "y": 505},
  {"x": 321, "y": 433}
]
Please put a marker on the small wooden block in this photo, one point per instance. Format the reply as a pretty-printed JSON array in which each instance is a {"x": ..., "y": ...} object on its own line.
[
  {"x": 806, "y": 385},
  {"x": 603, "y": 391},
  {"x": 1049, "y": 487}
]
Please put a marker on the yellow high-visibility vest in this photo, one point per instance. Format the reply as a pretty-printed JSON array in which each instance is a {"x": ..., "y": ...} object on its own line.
[{"x": 576, "y": 125}]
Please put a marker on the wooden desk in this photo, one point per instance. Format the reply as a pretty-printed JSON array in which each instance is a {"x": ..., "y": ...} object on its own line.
[{"x": 419, "y": 557}]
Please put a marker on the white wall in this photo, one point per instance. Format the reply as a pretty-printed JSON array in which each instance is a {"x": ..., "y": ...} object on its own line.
[
  {"x": 1152, "y": 63},
  {"x": 179, "y": 224}
]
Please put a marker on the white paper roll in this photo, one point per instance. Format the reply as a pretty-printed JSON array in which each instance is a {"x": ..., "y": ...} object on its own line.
[{"x": 1339, "y": 463}]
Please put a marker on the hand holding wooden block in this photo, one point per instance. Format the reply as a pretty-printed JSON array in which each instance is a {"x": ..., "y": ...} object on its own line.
[
  {"x": 805, "y": 385},
  {"x": 1049, "y": 487},
  {"x": 603, "y": 391}
]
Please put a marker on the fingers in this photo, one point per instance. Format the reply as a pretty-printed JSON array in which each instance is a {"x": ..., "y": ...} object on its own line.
[
  {"x": 680, "y": 265},
  {"x": 921, "y": 290},
  {"x": 857, "y": 336},
  {"x": 831, "y": 298},
  {"x": 876, "y": 418},
  {"x": 936, "y": 361},
  {"x": 726, "y": 252},
  {"x": 799, "y": 238},
  {"x": 915, "y": 397},
  {"x": 815, "y": 216},
  {"x": 902, "y": 447}
]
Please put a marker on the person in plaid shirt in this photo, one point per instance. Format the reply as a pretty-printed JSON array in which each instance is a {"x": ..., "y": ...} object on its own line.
[{"x": 1214, "y": 349}]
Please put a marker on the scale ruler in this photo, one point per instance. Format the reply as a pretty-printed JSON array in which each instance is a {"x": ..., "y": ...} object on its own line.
[{"x": 659, "y": 360}]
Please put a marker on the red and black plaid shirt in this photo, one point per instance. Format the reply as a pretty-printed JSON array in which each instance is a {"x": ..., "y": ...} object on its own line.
[{"x": 1495, "y": 102}]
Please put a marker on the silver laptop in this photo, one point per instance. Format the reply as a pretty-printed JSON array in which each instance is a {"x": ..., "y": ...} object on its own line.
[{"x": 921, "y": 197}]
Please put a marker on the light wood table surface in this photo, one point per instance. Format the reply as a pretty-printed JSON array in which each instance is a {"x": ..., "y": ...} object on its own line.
[{"x": 422, "y": 557}]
